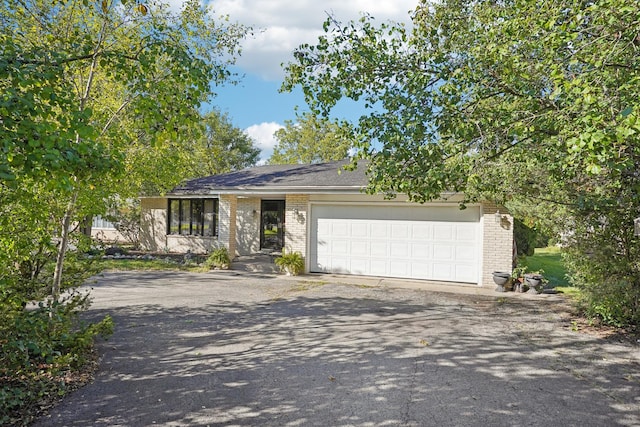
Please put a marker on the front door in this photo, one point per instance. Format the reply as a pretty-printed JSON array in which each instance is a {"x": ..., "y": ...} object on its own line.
[{"x": 272, "y": 224}]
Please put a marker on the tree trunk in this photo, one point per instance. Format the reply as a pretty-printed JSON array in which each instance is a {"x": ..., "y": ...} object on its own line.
[
  {"x": 66, "y": 222},
  {"x": 62, "y": 248},
  {"x": 87, "y": 222}
]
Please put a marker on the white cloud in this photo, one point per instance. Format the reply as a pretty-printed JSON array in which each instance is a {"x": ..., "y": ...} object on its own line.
[
  {"x": 288, "y": 24},
  {"x": 262, "y": 134}
]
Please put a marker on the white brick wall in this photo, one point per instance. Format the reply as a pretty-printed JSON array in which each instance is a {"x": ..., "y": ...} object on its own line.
[
  {"x": 227, "y": 209},
  {"x": 296, "y": 216},
  {"x": 497, "y": 240},
  {"x": 242, "y": 236}
]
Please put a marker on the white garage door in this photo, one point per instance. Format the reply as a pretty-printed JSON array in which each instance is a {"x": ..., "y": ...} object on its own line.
[{"x": 434, "y": 243}]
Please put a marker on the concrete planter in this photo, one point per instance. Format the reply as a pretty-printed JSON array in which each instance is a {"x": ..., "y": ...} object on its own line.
[
  {"x": 534, "y": 282},
  {"x": 501, "y": 278}
]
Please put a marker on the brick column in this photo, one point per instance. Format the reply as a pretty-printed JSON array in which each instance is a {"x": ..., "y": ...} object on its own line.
[
  {"x": 296, "y": 216},
  {"x": 497, "y": 242},
  {"x": 227, "y": 209}
]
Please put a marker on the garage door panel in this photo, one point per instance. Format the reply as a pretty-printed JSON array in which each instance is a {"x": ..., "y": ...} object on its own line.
[
  {"x": 465, "y": 253},
  {"x": 464, "y": 273},
  {"x": 379, "y": 230},
  {"x": 443, "y": 233},
  {"x": 379, "y": 249},
  {"x": 465, "y": 233},
  {"x": 421, "y": 251},
  {"x": 436, "y": 243},
  {"x": 400, "y": 231},
  {"x": 422, "y": 231},
  {"x": 399, "y": 268},
  {"x": 322, "y": 265},
  {"x": 339, "y": 247},
  {"x": 443, "y": 271},
  {"x": 322, "y": 247},
  {"x": 340, "y": 228},
  {"x": 421, "y": 270},
  {"x": 359, "y": 229},
  {"x": 339, "y": 265},
  {"x": 324, "y": 227},
  {"x": 359, "y": 266},
  {"x": 359, "y": 248},
  {"x": 379, "y": 267},
  {"x": 400, "y": 249},
  {"x": 444, "y": 253}
]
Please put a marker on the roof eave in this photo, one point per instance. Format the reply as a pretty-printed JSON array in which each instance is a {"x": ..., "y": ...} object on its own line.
[{"x": 271, "y": 190}]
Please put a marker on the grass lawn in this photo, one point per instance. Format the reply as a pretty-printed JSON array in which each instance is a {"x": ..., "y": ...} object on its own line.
[
  {"x": 550, "y": 261},
  {"x": 147, "y": 265}
]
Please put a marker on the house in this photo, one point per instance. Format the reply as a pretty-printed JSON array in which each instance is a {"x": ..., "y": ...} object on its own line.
[
  {"x": 321, "y": 211},
  {"x": 105, "y": 231}
]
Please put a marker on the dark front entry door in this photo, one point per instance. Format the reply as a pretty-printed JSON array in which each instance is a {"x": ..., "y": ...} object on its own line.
[{"x": 272, "y": 224}]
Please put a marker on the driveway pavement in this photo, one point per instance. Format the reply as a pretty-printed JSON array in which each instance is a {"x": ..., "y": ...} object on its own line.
[{"x": 247, "y": 350}]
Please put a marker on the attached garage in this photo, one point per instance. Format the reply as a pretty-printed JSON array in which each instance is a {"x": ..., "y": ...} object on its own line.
[
  {"x": 434, "y": 243},
  {"x": 320, "y": 211}
]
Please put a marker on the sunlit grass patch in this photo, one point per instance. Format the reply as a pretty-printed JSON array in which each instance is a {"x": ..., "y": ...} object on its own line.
[{"x": 549, "y": 260}]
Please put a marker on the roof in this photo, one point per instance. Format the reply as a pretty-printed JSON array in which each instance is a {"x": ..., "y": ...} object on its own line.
[{"x": 311, "y": 178}]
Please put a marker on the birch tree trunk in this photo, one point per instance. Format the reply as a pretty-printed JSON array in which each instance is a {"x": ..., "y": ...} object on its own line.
[{"x": 68, "y": 215}]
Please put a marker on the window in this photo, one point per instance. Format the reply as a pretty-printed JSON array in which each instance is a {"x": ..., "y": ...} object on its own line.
[
  {"x": 193, "y": 217},
  {"x": 99, "y": 222}
]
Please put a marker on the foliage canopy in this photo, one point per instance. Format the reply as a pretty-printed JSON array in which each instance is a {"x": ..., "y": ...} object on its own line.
[
  {"x": 95, "y": 97},
  {"x": 311, "y": 139},
  {"x": 535, "y": 105}
]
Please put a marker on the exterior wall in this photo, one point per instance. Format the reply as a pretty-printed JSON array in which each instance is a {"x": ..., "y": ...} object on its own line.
[
  {"x": 248, "y": 226},
  {"x": 497, "y": 242},
  {"x": 193, "y": 244},
  {"x": 296, "y": 231},
  {"x": 153, "y": 233},
  {"x": 153, "y": 223},
  {"x": 227, "y": 208},
  {"x": 108, "y": 235},
  {"x": 239, "y": 230},
  {"x": 105, "y": 231}
]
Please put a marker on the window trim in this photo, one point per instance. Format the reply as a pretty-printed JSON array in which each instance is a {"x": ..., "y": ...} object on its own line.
[{"x": 184, "y": 217}]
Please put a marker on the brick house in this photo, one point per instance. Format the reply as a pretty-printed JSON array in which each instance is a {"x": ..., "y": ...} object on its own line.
[{"x": 320, "y": 211}]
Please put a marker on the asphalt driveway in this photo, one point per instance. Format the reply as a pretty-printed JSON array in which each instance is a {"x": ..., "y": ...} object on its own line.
[{"x": 233, "y": 349}]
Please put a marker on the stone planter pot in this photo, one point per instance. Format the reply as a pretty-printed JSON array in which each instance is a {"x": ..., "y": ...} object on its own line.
[
  {"x": 534, "y": 282},
  {"x": 501, "y": 278}
]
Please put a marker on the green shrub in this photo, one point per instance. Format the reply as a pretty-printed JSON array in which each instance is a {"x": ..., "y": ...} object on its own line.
[
  {"x": 37, "y": 349},
  {"x": 609, "y": 294},
  {"x": 291, "y": 263},
  {"x": 602, "y": 260},
  {"x": 40, "y": 345},
  {"x": 616, "y": 303},
  {"x": 219, "y": 258}
]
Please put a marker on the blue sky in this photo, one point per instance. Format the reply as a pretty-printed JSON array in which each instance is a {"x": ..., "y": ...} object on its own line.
[{"x": 255, "y": 105}]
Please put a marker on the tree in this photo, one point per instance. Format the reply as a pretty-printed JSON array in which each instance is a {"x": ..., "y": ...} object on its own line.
[
  {"x": 90, "y": 90},
  {"x": 311, "y": 139},
  {"x": 93, "y": 94},
  {"x": 221, "y": 148},
  {"x": 507, "y": 101}
]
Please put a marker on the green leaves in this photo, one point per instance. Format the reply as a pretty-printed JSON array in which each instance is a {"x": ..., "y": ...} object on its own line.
[
  {"x": 505, "y": 101},
  {"x": 312, "y": 140},
  {"x": 478, "y": 81}
]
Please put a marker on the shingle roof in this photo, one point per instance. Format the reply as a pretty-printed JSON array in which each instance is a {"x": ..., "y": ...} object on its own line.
[{"x": 283, "y": 178}]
